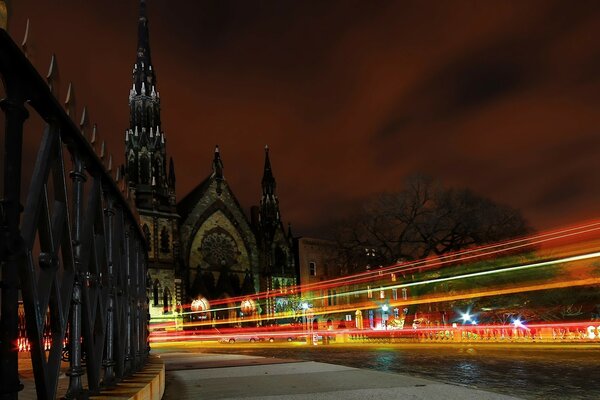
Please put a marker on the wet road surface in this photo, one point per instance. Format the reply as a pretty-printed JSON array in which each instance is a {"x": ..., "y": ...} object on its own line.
[{"x": 531, "y": 374}]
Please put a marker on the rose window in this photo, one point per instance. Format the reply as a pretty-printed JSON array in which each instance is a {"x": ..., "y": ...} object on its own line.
[{"x": 219, "y": 249}]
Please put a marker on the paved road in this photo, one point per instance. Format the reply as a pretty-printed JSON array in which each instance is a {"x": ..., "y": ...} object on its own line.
[
  {"x": 195, "y": 375},
  {"x": 550, "y": 373}
]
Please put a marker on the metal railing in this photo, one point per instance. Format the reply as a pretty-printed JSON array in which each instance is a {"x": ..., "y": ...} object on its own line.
[{"x": 73, "y": 251}]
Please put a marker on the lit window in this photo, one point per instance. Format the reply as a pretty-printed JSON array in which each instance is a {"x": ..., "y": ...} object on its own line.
[
  {"x": 312, "y": 266},
  {"x": 369, "y": 292},
  {"x": 381, "y": 293},
  {"x": 404, "y": 294},
  {"x": 395, "y": 294},
  {"x": 393, "y": 277}
]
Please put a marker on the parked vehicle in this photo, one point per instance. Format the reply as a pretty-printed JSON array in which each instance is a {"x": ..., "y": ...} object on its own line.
[{"x": 239, "y": 339}]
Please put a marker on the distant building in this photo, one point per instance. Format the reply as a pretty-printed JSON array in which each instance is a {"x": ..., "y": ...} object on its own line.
[{"x": 203, "y": 248}]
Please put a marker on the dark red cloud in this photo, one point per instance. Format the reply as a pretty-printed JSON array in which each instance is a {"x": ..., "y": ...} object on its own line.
[{"x": 351, "y": 96}]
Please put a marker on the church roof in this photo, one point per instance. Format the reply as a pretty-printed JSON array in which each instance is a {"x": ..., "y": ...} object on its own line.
[{"x": 189, "y": 201}]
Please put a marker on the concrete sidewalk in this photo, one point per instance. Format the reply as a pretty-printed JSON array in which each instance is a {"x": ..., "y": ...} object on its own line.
[{"x": 225, "y": 376}]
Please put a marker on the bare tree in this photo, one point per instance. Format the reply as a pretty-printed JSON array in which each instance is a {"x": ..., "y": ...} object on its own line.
[{"x": 422, "y": 219}]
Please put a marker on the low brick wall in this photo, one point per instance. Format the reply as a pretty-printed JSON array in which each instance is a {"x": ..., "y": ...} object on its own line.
[{"x": 148, "y": 384}]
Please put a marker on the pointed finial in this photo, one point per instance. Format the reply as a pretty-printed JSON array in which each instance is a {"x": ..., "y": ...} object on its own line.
[
  {"x": 153, "y": 181},
  {"x": 143, "y": 88},
  {"x": 136, "y": 131},
  {"x": 70, "y": 100},
  {"x": 126, "y": 135},
  {"x": 117, "y": 174},
  {"x": 25, "y": 38},
  {"x": 102, "y": 150},
  {"x": 52, "y": 75},
  {"x": 94, "y": 131},
  {"x": 218, "y": 169},
  {"x": 109, "y": 168},
  {"x": 151, "y": 132},
  {"x": 84, "y": 119}
]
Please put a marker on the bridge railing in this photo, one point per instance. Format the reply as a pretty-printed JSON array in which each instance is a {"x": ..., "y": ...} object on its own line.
[{"x": 73, "y": 251}]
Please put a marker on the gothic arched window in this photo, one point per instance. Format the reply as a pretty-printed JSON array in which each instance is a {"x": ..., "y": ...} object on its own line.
[
  {"x": 131, "y": 167},
  {"x": 147, "y": 236},
  {"x": 155, "y": 292},
  {"x": 144, "y": 169},
  {"x": 164, "y": 240},
  {"x": 167, "y": 300}
]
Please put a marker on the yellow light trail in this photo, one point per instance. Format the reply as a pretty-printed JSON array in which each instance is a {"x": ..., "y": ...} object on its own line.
[{"x": 426, "y": 300}]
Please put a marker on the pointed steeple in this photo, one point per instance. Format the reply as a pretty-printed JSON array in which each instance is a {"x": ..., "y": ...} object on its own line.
[
  {"x": 217, "y": 166},
  {"x": 268, "y": 181},
  {"x": 269, "y": 204},
  {"x": 145, "y": 152},
  {"x": 143, "y": 73}
]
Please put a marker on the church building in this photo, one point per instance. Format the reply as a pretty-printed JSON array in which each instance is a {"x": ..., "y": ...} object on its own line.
[{"x": 204, "y": 249}]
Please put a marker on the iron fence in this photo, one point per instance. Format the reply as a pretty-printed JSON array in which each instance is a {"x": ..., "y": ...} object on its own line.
[{"x": 73, "y": 251}]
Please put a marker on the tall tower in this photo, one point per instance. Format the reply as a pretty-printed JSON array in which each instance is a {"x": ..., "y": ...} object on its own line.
[
  {"x": 145, "y": 142},
  {"x": 269, "y": 204},
  {"x": 146, "y": 172},
  {"x": 278, "y": 259}
]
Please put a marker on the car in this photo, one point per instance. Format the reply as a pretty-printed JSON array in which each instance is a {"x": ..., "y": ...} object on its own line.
[{"x": 239, "y": 339}]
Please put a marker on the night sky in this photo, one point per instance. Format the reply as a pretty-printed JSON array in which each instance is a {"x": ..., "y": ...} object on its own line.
[{"x": 502, "y": 97}]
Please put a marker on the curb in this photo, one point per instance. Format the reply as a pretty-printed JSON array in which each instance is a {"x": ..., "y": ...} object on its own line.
[{"x": 148, "y": 384}]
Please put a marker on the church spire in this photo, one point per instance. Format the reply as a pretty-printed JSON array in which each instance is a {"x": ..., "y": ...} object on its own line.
[
  {"x": 145, "y": 142},
  {"x": 217, "y": 166},
  {"x": 268, "y": 181},
  {"x": 269, "y": 204},
  {"x": 143, "y": 73}
]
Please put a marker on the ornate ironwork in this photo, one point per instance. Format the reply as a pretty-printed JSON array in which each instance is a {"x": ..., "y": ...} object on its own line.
[{"x": 74, "y": 250}]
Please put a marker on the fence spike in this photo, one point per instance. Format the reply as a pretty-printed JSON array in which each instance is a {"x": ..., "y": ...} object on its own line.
[
  {"x": 93, "y": 138},
  {"x": 52, "y": 75},
  {"x": 70, "y": 100},
  {"x": 102, "y": 150},
  {"x": 25, "y": 38},
  {"x": 83, "y": 121}
]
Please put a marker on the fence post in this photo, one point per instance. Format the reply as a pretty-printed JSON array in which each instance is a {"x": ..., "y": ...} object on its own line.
[{"x": 11, "y": 245}]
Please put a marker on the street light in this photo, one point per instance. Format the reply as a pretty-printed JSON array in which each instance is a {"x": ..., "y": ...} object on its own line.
[
  {"x": 466, "y": 317},
  {"x": 384, "y": 310},
  {"x": 518, "y": 323},
  {"x": 305, "y": 307}
]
